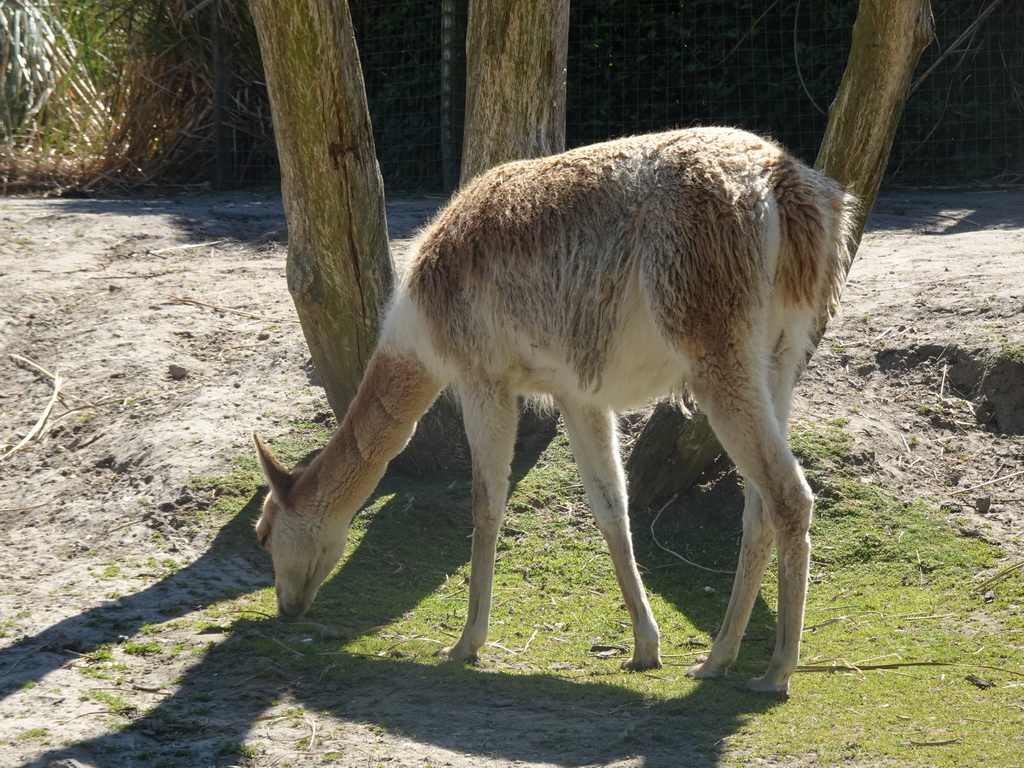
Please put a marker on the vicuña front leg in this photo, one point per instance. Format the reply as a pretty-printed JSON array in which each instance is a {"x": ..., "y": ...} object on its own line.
[
  {"x": 490, "y": 417},
  {"x": 592, "y": 436}
]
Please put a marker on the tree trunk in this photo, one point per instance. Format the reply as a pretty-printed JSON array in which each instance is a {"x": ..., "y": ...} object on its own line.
[
  {"x": 888, "y": 39},
  {"x": 339, "y": 268},
  {"x": 516, "y": 53}
]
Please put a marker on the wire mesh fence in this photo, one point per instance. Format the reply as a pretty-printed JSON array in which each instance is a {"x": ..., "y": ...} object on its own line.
[
  {"x": 770, "y": 67},
  {"x": 178, "y": 98}
]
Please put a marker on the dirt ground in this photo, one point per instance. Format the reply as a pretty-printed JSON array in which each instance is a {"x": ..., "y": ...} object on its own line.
[{"x": 166, "y": 331}]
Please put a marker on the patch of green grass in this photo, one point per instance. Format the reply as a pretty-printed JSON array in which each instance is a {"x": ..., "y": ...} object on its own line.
[
  {"x": 1013, "y": 353},
  {"x": 100, "y": 665},
  {"x": 109, "y": 571},
  {"x": 101, "y": 654},
  {"x": 116, "y": 702},
  {"x": 229, "y": 749},
  {"x": 891, "y": 584},
  {"x": 35, "y": 735},
  {"x": 142, "y": 649}
]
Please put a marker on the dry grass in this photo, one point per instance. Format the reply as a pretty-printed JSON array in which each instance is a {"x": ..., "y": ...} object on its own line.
[{"x": 121, "y": 94}]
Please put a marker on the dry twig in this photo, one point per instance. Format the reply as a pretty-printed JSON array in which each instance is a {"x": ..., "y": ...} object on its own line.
[
  {"x": 25, "y": 509},
  {"x": 848, "y": 667},
  {"x": 673, "y": 552},
  {"x": 990, "y": 482},
  {"x": 998, "y": 576},
  {"x": 179, "y": 300},
  {"x": 190, "y": 246},
  {"x": 57, "y": 381}
]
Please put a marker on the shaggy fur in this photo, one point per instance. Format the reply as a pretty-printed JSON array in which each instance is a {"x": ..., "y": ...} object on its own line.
[{"x": 696, "y": 260}]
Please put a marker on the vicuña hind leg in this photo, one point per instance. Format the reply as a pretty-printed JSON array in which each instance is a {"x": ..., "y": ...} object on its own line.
[
  {"x": 748, "y": 428},
  {"x": 595, "y": 446},
  {"x": 490, "y": 416},
  {"x": 755, "y": 551}
]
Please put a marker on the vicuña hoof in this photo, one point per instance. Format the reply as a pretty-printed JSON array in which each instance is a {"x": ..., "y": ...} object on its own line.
[
  {"x": 766, "y": 685},
  {"x": 454, "y": 654},
  {"x": 702, "y": 670},
  {"x": 637, "y": 664}
]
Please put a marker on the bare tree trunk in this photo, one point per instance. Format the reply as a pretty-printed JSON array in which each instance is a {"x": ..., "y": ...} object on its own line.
[
  {"x": 340, "y": 272},
  {"x": 516, "y": 53},
  {"x": 889, "y": 37}
]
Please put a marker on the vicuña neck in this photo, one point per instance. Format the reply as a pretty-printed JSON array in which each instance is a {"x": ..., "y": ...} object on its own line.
[{"x": 395, "y": 392}]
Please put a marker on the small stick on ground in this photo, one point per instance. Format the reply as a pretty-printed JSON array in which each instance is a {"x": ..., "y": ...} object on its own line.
[
  {"x": 999, "y": 576},
  {"x": 673, "y": 552},
  {"x": 990, "y": 482},
  {"x": 57, "y": 381},
  {"x": 50, "y": 375},
  {"x": 187, "y": 247},
  {"x": 179, "y": 300},
  {"x": 25, "y": 509},
  {"x": 847, "y": 667}
]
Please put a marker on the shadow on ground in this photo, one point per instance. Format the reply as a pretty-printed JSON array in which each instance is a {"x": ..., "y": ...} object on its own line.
[
  {"x": 244, "y": 217},
  {"x": 530, "y": 718}
]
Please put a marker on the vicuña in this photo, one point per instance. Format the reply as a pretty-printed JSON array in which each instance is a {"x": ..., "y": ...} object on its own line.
[{"x": 691, "y": 263}]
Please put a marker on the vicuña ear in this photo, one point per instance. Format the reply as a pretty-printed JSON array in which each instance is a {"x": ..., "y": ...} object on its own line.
[{"x": 278, "y": 476}]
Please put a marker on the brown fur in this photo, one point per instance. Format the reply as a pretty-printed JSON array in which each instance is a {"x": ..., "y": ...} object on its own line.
[{"x": 396, "y": 390}]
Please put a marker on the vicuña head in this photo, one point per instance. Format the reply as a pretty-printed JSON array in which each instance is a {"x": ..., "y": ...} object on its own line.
[
  {"x": 698, "y": 260},
  {"x": 304, "y": 542},
  {"x": 308, "y": 511}
]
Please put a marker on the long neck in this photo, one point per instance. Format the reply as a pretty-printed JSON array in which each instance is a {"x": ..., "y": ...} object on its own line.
[{"x": 395, "y": 392}]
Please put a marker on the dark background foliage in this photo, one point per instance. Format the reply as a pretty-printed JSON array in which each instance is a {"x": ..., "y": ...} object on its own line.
[{"x": 180, "y": 85}]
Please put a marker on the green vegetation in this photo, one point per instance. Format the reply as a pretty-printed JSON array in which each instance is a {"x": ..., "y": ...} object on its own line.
[
  {"x": 904, "y": 661},
  {"x": 77, "y": 102},
  {"x": 110, "y": 571},
  {"x": 1013, "y": 353},
  {"x": 899, "y": 651},
  {"x": 38, "y": 735},
  {"x": 116, "y": 702},
  {"x": 142, "y": 649}
]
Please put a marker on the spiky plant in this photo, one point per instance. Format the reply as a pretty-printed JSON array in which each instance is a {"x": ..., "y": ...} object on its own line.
[
  {"x": 49, "y": 103},
  {"x": 121, "y": 93}
]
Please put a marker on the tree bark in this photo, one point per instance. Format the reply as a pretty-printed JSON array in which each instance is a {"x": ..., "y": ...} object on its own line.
[
  {"x": 339, "y": 268},
  {"x": 889, "y": 37},
  {"x": 516, "y": 53}
]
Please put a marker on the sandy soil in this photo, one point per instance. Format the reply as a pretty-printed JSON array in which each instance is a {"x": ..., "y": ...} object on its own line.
[{"x": 105, "y": 296}]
